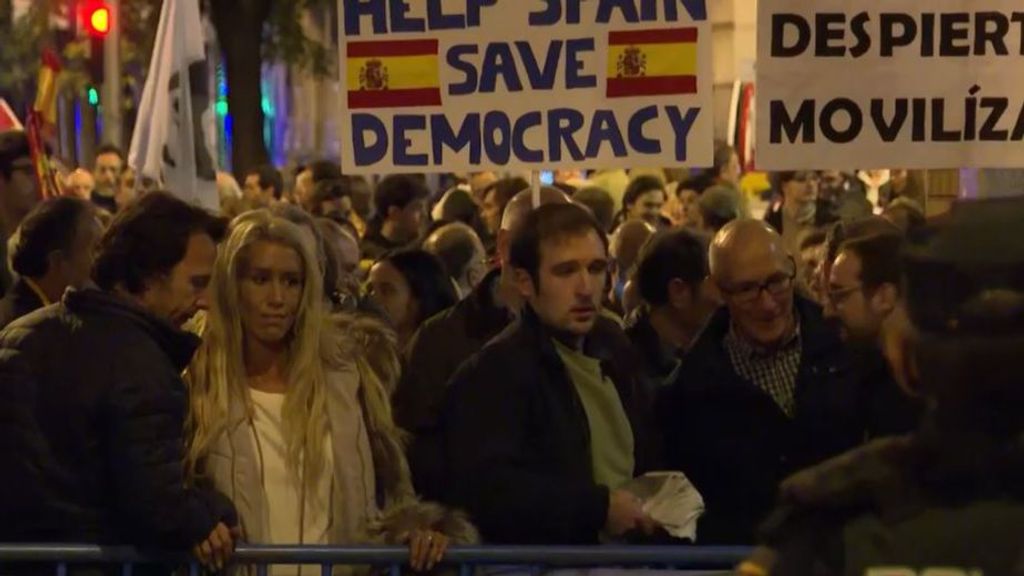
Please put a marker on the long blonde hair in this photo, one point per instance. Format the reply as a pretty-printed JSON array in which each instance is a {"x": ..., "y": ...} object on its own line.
[{"x": 217, "y": 374}]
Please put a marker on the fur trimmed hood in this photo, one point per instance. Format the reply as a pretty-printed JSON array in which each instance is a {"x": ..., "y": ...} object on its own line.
[{"x": 372, "y": 347}]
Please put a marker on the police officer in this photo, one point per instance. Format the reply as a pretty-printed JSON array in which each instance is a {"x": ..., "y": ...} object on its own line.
[{"x": 948, "y": 498}]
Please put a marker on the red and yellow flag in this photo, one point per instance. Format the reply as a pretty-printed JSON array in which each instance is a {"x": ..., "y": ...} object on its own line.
[
  {"x": 393, "y": 74},
  {"x": 46, "y": 90},
  {"x": 652, "y": 62}
]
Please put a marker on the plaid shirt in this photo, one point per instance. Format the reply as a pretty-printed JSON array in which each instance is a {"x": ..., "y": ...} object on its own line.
[{"x": 773, "y": 371}]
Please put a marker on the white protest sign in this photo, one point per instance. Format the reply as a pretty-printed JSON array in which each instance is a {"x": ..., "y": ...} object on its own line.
[
  {"x": 890, "y": 83},
  {"x": 458, "y": 85}
]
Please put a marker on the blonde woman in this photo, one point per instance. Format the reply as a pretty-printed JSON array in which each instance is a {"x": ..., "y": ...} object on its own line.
[{"x": 290, "y": 414}]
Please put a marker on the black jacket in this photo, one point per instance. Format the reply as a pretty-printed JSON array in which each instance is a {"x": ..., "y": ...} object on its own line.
[
  {"x": 439, "y": 347},
  {"x": 657, "y": 363},
  {"x": 516, "y": 439},
  {"x": 19, "y": 301},
  {"x": 888, "y": 410},
  {"x": 91, "y": 428},
  {"x": 437, "y": 350},
  {"x": 734, "y": 442}
]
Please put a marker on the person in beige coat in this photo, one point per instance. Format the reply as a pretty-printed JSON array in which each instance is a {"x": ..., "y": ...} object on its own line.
[{"x": 290, "y": 407}]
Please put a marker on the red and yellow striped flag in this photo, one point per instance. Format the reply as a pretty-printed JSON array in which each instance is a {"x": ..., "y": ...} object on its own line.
[
  {"x": 46, "y": 90},
  {"x": 393, "y": 74},
  {"x": 652, "y": 62}
]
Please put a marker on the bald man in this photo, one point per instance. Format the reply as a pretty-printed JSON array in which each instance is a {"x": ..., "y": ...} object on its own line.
[
  {"x": 462, "y": 254},
  {"x": 447, "y": 340},
  {"x": 81, "y": 184},
  {"x": 765, "y": 390}
]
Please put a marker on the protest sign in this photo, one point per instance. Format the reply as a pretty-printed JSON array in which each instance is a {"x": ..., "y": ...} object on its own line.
[
  {"x": 458, "y": 85},
  {"x": 890, "y": 83}
]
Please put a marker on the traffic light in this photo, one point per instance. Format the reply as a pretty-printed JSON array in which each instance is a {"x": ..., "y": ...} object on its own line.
[{"x": 97, "y": 18}]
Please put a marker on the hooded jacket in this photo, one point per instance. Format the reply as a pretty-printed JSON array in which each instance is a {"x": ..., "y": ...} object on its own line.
[{"x": 91, "y": 428}]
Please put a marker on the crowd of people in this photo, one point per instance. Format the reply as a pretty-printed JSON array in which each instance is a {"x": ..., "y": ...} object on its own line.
[{"x": 338, "y": 361}]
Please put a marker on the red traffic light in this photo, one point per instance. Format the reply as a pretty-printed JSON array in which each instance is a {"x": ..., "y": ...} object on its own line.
[{"x": 96, "y": 18}]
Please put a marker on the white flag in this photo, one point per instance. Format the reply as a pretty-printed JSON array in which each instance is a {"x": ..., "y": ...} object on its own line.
[{"x": 169, "y": 141}]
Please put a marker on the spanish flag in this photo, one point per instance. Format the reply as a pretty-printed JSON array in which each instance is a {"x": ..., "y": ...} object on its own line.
[
  {"x": 46, "y": 91},
  {"x": 652, "y": 62},
  {"x": 393, "y": 74}
]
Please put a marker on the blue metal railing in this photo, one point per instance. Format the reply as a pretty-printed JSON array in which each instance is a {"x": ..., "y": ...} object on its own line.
[{"x": 722, "y": 558}]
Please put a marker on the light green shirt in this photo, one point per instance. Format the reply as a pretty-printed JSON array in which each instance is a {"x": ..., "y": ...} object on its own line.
[{"x": 611, "y": 436}]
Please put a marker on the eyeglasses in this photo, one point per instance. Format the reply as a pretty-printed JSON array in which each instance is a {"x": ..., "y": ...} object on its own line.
[
  {"x": 776, "y": 285},
  {"x": 839, "y": 295}
]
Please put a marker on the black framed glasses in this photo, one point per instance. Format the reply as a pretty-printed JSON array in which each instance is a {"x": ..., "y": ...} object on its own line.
[
  {"x": 837, "y": 296},
  {"x": 775, "y": 285}
]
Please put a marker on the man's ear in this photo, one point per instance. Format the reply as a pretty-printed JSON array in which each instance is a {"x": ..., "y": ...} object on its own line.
[
  {"x": 524, "y": 283},
  {"x": 885, "y": 298},
  {"x": 393, "y": 211}
]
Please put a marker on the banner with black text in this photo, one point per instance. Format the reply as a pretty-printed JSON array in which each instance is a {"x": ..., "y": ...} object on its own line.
[{"x": 890, "y": 83}]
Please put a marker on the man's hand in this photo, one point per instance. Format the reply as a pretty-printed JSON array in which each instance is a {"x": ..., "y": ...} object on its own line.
[
  {"x": 215, "y": 551},
  {"x": 626, "y": 513}
]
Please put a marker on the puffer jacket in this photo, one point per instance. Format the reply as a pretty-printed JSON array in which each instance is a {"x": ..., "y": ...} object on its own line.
[{"x": 91, "y": 428}]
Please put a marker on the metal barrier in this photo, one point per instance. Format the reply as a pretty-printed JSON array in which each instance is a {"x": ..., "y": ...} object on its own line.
[{"x": 533, "y": 558}]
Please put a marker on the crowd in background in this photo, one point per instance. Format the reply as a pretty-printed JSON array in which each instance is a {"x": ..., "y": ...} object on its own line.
[{"x": 383, "y": 361}]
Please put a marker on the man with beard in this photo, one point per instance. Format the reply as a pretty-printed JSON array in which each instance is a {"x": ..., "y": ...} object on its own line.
[
  {"x": 948, "y": 498},
  {"x": 864, "y": 290}
]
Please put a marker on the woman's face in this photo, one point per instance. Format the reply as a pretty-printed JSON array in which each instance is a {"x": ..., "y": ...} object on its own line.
[
  {"x": 390, "y": 291},
  {"x": 270, "y": 291},
  {"x": 690, "y": 211},
  {"x": 648, "y": 206}
]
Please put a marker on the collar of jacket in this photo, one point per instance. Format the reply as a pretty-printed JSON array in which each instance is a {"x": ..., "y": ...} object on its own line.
[
  {"x": 595, "y": 344},
  {"x": 178, "y": 344},
  {"x": 817, "y": 339},
  {"x": 661, "y": 357}
]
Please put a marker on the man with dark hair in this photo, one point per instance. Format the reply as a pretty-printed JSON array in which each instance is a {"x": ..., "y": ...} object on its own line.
[
  {"x": 537, "y": 431},
  {"x": 812, "y": 252},
  {"x": 496, "y": 197},
  {"x": 263, "y": 186},
  {"x": 670, "y": 278},
  {"x": 91, "y": 427},
  {"x": 331, "y": 199},
  {"x": 107, "y": 171},
  {"x": 865, "y": 289},
  {"x": 796, "y": 208},
  {"x": 948, "y": 498},
  {"x": 600, "y": 203},
  {"x": 53, "y": 249},
  {"x": 447, "y": 340},
  {"x": 766, "y": 388},
  {"x": 19, "y": 192},
  {"x": 845, "y": 230},
  {"x": 462, "y": 253},
  {"x": 400, "y": 203}
]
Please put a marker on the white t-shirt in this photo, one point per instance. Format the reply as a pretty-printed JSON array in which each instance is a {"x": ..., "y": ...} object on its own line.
[{"x": 282, "y": 486}]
